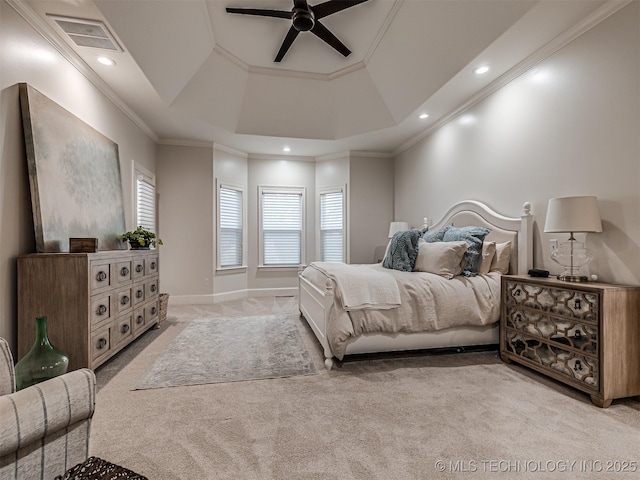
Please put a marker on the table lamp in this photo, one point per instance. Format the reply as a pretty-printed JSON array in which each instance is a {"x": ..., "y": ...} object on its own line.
[
  {"x": 396, "y": 227},
  {"x": 572, "y": 215}
]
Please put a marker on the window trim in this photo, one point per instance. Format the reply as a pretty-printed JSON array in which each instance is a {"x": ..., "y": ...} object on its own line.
[
  {"x": 303, "y": 236},
  {"x": 141, "y": 173},
  {"x": 326, "y": 190},
  {"x": 220, "y": 184}
]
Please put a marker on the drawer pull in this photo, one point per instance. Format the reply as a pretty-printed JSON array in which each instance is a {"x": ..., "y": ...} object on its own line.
[
  {"x": 577, "y": 366},
  {"x": 124, "y": 328},
  {"x": 125, "y": 300},
  {"x": 153, "y": 265},
  {"x": 139, "y": 268},
  {"x": 124, "y": 272},
  {"x": 139, "y": 319},
  {"x": 518, "y": 292},
  {"x": 102, "y": 309},
  {"x": 139, "y": 294},
  {"x": 577, "y": 334},
  {"x": 577, "y": 305},
  {"x": 154, "y": 287},
  {"x": 153, "y": 310},
  {"x": 101, "y": 276},
  {"x": 102, "y": 343}
]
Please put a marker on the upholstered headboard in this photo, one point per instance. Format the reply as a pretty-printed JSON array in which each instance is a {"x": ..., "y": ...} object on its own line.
[{"x": 518, "y": 231}]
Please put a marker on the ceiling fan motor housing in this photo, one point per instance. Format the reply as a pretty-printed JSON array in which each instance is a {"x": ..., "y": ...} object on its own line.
[{"x": 303, "y": 20}]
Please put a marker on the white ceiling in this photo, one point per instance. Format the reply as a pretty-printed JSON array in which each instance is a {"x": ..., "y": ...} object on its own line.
[{"x": 192, "y": 73}]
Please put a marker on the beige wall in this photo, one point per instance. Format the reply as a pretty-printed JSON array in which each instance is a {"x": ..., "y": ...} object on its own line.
[
  {"x": 185, "y": 189},
  {"x": 26, "y": 57},
  {"x": 570, "y": 126},
  {"x": 370, "y": 206},
  {"x": 331, "y": 172}
]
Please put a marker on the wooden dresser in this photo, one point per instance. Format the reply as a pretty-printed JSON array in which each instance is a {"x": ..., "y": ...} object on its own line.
[
  {"x": 95, "y": 303},
  {"x": 586, "y": 335}
]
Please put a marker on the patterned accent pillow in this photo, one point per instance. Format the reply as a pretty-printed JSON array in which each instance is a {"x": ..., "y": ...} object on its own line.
[
  {"x": 474, "y": 236},
  {"x": 435, "y": 235},
  {"x": 403, "y": 250}
]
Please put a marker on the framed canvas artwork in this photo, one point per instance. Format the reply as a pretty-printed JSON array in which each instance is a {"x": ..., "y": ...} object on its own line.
[{"x": 74, "y": 177}]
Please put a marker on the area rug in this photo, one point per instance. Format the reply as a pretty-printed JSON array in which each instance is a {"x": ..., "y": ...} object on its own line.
[{"x": 217, "y": 350}]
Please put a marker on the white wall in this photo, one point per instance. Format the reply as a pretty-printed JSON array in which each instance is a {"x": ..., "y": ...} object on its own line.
[
  {"x": 26, "y": 57},
  {"x": 570, "y": 126},
  {"x": 332, "y": 171}
]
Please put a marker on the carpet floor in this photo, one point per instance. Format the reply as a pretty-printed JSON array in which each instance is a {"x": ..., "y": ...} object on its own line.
[{"x": 416, "y": 417}]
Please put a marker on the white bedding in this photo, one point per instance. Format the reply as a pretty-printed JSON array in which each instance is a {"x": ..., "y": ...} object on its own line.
[{"x": 428, "y": 302}]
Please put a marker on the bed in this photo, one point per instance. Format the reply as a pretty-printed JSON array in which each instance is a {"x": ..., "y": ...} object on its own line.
[{"x": 426, "y": 321}]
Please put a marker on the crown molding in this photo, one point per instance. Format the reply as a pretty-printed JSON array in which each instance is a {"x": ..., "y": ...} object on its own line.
[
  {"x": 586, "y": 24},
  {"x": 232, "y": 151},
  {"x": 270, "y": 156},
  {"x": 181, "y": 142},
  {"x": 43, "y": 28}
]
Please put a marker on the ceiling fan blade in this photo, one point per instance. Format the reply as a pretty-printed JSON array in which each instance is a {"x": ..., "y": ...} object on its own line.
[
  {"x": 301, "y": 4},
  {"x": 288, "y": 40},
  {"x": 261, "y": 12},
  {"x": 332, "y": 6},
  {"x": 323, "y": 33}
]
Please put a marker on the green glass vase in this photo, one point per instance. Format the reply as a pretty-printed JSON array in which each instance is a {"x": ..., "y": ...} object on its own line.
[{"x": 42, "y": 362}]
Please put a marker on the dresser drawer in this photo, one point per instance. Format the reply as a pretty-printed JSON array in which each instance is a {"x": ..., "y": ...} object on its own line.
[
  {"x": 100, "y": 309},
  {"x": 123, "y": 301},
  {"x": 100, "y": 344},
  {"x": 579, "y": 335},
  {"x": 138, "y": 321},
  {"x": 561, "y": 301},
  {"x": 139, "y": 295},
  {"x": 151, "y": 288},
  {"x": 571, "y": 365},
  {"x": 137, "y": 268},
  {"x": 100, "y": 276},
  {"x": 122, "y": 329},
  {"x": 151, "y": 312},
  {"x": 151, "y": 265},
  {"x": 122, "y": 272}
]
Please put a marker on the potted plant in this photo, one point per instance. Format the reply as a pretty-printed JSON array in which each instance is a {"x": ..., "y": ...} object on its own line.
[{"x": 140, "y": 239}]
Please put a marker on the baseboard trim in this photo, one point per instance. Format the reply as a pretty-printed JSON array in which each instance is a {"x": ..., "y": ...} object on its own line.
[{"x": 228, "y": 296}]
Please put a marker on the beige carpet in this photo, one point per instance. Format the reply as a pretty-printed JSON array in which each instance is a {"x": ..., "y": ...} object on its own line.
[{"x": 433, "y": 416}]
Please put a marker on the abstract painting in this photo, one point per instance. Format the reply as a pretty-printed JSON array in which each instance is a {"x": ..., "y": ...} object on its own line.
[{"x": 74, "y": 177}]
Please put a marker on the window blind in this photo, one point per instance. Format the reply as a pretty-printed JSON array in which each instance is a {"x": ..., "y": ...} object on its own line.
[
  {"x": 281, "y": 228},
  {"x": 146, "y": 204},
  {"x": 331, "y": 226},
  {"x": 230, "y": 233}
]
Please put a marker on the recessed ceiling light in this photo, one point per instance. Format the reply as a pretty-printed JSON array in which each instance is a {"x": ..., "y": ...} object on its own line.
[
  {"x": 422, "y": 116},
  {"x": 481, "y": 70},
  {"x": 286, "y": 149},
  {"x": 106, "y": 61}
]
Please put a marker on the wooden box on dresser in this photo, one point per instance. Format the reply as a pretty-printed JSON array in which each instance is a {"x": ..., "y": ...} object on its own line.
[
  {"x": 586, "y": 335},
  {"x": 95, "y": 303}
]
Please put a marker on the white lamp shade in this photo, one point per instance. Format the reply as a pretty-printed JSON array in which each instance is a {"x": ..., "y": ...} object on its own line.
[
  {"x": 397, "y": 227},
  {"x": 573, "y": 214}
]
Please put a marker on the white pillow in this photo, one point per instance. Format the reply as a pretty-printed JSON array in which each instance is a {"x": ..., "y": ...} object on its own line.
[
  {"x": 502, "y": 258},
  {"x": 442, "y": 258},
  {"x": 488, "y": 252}
]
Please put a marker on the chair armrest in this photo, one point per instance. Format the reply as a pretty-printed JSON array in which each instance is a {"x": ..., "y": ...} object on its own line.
[{"x": 37, "y": 411}]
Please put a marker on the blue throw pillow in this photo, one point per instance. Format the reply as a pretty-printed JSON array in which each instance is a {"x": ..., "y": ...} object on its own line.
[
  {"x": 474, "y": 236},
  {"x": 403, "y": 251},
  {"x": 435, "y": 235}
]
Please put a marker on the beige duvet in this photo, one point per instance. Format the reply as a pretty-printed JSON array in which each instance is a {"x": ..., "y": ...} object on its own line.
[{"x": 428, "y": 302}]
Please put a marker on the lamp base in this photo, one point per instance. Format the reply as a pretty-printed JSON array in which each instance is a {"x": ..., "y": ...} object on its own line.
[{"x": 573, "y": 278}]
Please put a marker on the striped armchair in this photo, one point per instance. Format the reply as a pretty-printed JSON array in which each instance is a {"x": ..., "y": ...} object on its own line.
[{"x": 44, "y": 429}]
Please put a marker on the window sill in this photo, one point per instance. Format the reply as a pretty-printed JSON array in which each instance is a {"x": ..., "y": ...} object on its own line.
[
  {"x": 280, "y": 268},
  {"x": 230, "y": 270}
]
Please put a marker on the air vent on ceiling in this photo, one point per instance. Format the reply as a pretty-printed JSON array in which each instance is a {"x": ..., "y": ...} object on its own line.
[{"x": 87, "y": 33}]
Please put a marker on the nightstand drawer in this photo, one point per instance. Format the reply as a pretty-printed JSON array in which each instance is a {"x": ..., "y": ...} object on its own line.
[
  {"x": 579, "y": 335},
  {"x": 574, "y": 366},
  {"x": 560, "y": 301}
]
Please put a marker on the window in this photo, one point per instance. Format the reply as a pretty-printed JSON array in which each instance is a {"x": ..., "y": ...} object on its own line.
[
  {"x": 332, "y": 225},
  {"x": 281, "y": 226},
  {"x": 230, "y": 225},
  {"x": 145, "y": 199}
]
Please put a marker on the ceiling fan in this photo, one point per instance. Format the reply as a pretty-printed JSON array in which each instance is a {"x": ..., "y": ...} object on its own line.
[{"x": 305, "y": 18}]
